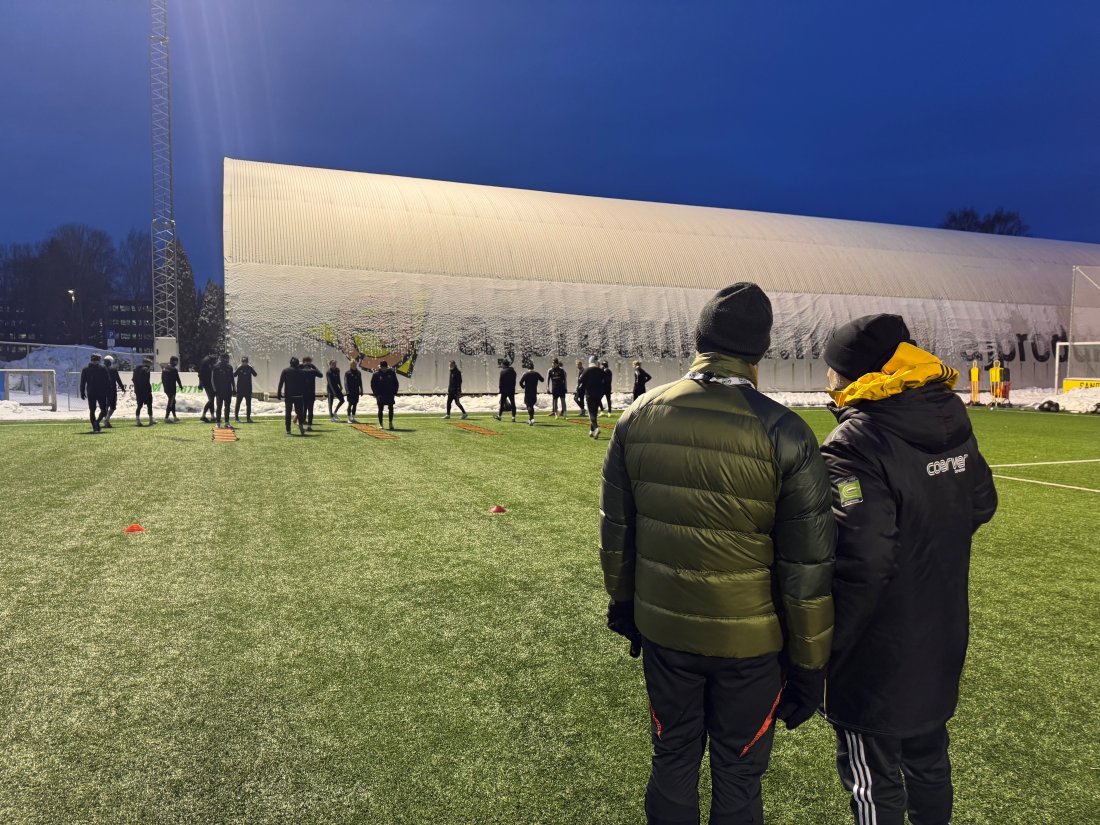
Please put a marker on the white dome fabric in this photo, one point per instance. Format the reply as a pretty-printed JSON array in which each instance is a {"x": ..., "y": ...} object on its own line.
[{"x": 325, "y": 263}]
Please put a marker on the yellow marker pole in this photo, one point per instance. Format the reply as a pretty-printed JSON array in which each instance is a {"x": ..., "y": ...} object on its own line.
[
  {"x": 995, "y": 382},
  {"x": 975, "y": 384}
]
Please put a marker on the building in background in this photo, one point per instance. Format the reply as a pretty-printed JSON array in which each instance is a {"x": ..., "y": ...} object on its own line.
[
  {"x": 130, "y": 323},
  {"x": 417, "y": 272}
]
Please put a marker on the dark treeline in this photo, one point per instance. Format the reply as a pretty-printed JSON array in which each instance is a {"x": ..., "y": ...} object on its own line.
[{"x": 38, "y": 283}]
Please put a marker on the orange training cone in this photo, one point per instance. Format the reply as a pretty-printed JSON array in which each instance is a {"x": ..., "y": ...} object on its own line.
[
  {"x": 135, "y": 528},
  {"x": 496, "y": 509}
]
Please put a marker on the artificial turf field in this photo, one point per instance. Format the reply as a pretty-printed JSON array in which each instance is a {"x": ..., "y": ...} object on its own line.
[{"x": 333, "y": 629}]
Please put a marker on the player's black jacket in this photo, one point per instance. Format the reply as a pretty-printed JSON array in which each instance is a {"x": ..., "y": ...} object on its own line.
[
  {"x": 591, "y": 382},
  {"x": 170, "y": 380},
  {"x": 143, "y": 384},
  {"x": 454, "y": 382},
  {"x": 221, "y": 379},
  {"x": 383, "y": 386},
  {"x": 244, "y": 375},
  {"x": 332, "y": 381},
  {"x": 353, "y": 379},
  {"x": 94, "y": 381},
  {"x": 292, "y": 383},
  {"x": 910, "y": 488},
  {"x": 206, "y": 367},
  {"x": 310, "y": 374},
  {"x": 641, "y": 378},
  {"x": 507, "y": 384},
  {"x": 530, "y": 384},
  {"x": 556, "y": 377}
]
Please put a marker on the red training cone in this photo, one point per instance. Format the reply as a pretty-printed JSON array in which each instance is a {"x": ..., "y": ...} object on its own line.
[
  {"x": 135, "y": 528},
  {"x": 496, "y": 509}
]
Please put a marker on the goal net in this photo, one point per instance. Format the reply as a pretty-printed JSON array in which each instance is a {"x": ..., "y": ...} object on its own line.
[
  {"x": 1078, "y": 359},
  {"x": 29, "y": 387}
]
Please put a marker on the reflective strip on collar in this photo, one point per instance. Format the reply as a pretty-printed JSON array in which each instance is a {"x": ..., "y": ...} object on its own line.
[{"x": 709, "y": 378}]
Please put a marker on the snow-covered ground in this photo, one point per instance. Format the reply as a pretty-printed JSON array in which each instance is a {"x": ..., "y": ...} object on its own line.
[{"x": 1081, "y": 401}]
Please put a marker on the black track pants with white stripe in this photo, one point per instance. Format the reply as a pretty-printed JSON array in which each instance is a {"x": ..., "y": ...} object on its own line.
[
  {"x": 887, "y": 776},
  {"x": 692, "y": 699}
]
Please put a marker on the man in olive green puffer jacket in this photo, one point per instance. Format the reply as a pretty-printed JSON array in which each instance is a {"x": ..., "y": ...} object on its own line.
[{"x": 717, "y": 542}]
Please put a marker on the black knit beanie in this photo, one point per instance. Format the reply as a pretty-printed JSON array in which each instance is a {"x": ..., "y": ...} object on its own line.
[
  {"x": 865, "y": 344},
  {"x": 736, "y": 321}
]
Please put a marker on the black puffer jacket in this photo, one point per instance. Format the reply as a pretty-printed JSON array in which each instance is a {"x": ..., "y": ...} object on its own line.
[
  {"x": 383, "y": 386},
  {"x": 910, "y": 488}
]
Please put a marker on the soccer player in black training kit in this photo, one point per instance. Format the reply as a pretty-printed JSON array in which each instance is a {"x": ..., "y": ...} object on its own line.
[
  {"x": 578, "y": 396},
  {"x": 383, "y": 386},
  {"x": 113, "y": 386},
  {"x": 507, "y": 388},
  {"x": 293, "y": 382},
  {"x": 169, "y": 382},
  {"x": 454, "y": 390},
  {"x": 221, "y": 378},
  {"x": 244, "y": 375},
  {"x": 310, "y": 374},
  {"x": 556, "y": 378},
  {"x": 93, "y": 387},
  {"x": 529, "y": 383},
  {"x": 353, "y": 380},
  {"x": 607, "y": 386},
  {"x": 206, "y": 366},
  {"x": 591, "y": 384},
  {"x": 641, "y": 378},
  {"x": 333, "y": 389},
  {"x": 143, "y": 389}
]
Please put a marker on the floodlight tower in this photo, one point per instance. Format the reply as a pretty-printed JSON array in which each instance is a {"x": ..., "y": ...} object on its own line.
[{"x": 163, "y": 228}]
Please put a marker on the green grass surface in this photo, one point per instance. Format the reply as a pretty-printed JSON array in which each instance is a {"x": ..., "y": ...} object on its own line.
[{"x": 333, "y": 629}]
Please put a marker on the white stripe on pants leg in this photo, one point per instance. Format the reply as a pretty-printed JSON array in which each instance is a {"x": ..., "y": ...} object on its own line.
[{"x": 861, "y": 775}]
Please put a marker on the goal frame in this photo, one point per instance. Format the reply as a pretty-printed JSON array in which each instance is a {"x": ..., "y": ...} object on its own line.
[
  {"x": 1058, "y": 362},
  {"x": 49, "y": 387}
]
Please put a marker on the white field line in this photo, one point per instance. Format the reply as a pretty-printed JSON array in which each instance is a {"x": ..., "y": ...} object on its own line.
[
  {"x": 1048, "y": 463},
  {"x": 1046, "y": 483}
]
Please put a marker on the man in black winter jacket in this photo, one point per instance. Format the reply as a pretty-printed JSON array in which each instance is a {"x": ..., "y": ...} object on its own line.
[
  {"x": 93, "y": 388},
  {"x": 206, "y": 367},
  {"x": 114, "y": 384},
  {"x": 170, "y": 382},
  {"x": 454, "y": 390},
  {"x": 292, "y": 390},
  {"x": 243, "y": 376},
  {"x": 507, "y": 388},
  {"x": 143, "y": 388},
  {"x": 384, "y": 388},
  {"x": 557, "y": 379},
  {"x": 310, "y": 374},
  {"x": 590, "y": 386},
  {"x": 221, "y": 377},
  {"x": 910, "y": 488}
]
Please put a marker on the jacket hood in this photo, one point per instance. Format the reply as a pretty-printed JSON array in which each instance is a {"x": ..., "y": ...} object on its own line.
[
  {"x": 931, "y": 418},
  {"x": 908, "y": 368}
]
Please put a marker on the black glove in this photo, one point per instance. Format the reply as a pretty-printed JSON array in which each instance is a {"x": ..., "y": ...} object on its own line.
[
  {"x": 620, "y": 618},
  {"x": 803, "y": 694}
]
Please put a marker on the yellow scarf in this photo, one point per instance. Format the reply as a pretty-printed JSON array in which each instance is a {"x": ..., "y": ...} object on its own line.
[{"x": 910, "y": 367}]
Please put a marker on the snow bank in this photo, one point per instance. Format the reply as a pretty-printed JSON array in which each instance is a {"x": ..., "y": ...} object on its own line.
[{"x": 1081, "y": 401}]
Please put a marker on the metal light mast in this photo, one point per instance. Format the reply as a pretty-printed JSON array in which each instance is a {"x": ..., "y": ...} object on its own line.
[{"x": 163, "y": 229}]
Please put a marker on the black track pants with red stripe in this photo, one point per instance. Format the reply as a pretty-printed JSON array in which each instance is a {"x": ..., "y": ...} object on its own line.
[
  {"x": 887, "y": 776},
  {"x": 692, "y": 699}
]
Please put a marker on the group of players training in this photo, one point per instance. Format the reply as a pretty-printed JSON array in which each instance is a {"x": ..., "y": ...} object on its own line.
[{"x": 221, "y": 381}]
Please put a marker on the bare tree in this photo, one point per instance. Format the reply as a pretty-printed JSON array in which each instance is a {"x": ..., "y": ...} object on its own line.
[
  {"x": 133, "y": 277},
  {"x": 999, "y": 222}
]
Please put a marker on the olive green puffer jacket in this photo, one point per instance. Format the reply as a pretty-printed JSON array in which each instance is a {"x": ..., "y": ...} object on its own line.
[{"x": 715, "y": 519}]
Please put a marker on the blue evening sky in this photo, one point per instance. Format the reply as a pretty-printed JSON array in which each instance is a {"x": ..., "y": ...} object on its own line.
[{"x": 864, "y": 109}]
